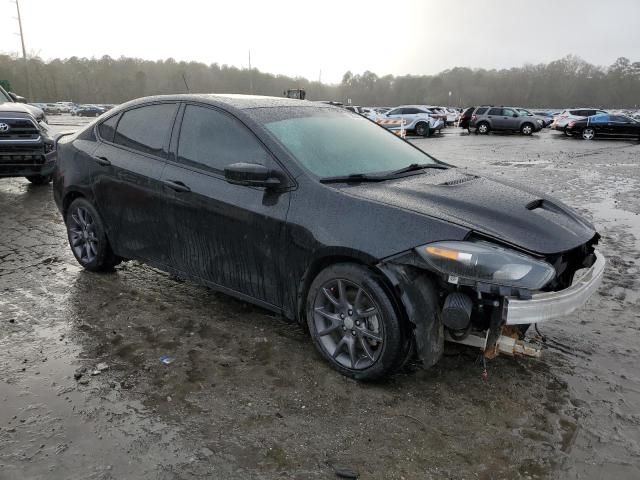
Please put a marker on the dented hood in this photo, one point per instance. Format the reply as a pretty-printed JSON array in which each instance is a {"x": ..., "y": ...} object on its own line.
[{"x": 531, "y": 221}]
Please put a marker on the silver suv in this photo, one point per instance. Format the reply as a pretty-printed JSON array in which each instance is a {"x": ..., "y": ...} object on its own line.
[{"x": 485, "y": 119}]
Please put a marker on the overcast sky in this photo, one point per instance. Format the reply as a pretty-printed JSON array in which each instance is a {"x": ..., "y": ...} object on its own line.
[{"x": 301, "y": 38}]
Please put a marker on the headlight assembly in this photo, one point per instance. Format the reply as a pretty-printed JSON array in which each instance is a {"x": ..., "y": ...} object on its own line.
[{"x": 488, "y": 263}]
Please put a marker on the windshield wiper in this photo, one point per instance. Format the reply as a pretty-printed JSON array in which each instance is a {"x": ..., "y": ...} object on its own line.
[
  {"x": 379, "y": 177},
  {"x": 353, "y": 178},
  {"x": 416, "y": 166}
]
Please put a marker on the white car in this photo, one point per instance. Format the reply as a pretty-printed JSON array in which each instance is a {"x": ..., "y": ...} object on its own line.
[
  {"x": 418, "y": 120},
  {"x": 65, "y": 107},
  {"x": 567, "y": 116}
]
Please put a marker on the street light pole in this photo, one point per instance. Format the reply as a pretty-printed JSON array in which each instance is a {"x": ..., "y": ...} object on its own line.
[{"x": 24, "y": 52}]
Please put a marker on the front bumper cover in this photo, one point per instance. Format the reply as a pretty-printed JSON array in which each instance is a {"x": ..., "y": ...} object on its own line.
[{"x": 548, "y": 305}]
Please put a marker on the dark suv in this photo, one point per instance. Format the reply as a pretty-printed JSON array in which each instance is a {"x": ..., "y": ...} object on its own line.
[
  {"x": 485, "y": 119},
  {"x": 26, "y": 147}
]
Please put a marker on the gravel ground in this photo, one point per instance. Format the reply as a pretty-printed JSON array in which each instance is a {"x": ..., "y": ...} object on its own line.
[{"x": 246, "y": 395}]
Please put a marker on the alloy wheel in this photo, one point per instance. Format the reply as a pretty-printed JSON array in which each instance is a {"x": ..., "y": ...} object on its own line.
[
  {"x": 588, "y": 133},
  {"x": 527, "y": 129},
  {"x": 348, "y": 323},
  {"x": 82, "y": 235},
  {"x": 483, "y": 128}
]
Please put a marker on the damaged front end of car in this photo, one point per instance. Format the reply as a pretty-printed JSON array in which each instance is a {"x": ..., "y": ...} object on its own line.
[{"x": 480, "y": 293}]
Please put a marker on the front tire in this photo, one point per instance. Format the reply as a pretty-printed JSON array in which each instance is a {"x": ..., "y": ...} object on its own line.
[
  {"x": 39, "y": 179},
  {"x": 353, "y": 322},
  {"x": 87, "y": 237}
]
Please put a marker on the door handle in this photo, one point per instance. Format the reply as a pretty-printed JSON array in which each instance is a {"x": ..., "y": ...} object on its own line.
[
  {"x": 177, "y": 186},
  {"x": 104, "y": 161}
]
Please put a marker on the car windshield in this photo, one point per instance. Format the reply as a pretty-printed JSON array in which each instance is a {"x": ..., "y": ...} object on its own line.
[{"x": 332, "y": 143}]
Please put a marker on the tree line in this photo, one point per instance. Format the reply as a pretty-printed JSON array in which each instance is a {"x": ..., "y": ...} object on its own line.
[{"x": 569, "y": 81}]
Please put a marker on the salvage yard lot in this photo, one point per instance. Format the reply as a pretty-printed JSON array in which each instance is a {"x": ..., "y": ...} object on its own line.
[{"x": 247, "y": 396}]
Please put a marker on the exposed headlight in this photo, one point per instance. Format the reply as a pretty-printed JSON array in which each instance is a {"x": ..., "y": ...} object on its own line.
[{"x": 485, "y": 262}]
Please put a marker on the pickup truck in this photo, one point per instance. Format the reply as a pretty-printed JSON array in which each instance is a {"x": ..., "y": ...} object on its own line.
[{"x": 26, "y": 146}]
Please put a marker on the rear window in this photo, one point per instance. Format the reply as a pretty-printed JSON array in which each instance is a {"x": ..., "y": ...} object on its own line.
[
  {"x": 481, "y": 111},
  {"x": 107, "y": 128}
]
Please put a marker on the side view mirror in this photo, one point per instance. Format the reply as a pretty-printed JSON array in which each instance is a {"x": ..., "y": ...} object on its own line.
[
  {"x": 17, "y": 98},
  {"x": 251, "y": 175},
  {"x": 515, "y": 115}
]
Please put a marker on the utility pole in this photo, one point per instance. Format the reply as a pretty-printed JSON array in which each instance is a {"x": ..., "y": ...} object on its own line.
[
  {"x": 24, "y": 52},
  {"x": 250, "y": 75}
]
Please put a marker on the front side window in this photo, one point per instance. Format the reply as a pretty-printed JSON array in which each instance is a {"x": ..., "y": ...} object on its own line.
[
  {"x": 146, "y": 129},
  {"x": 331, "y": 143},
  {"x": 214, "y": 140}
]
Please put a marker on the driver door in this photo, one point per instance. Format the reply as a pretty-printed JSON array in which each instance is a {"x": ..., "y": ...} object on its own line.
[{"x": 225, "y": 234}]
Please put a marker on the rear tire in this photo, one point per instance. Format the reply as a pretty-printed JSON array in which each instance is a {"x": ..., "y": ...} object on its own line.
[
  {"x": 483, "y": 128},
  {"x": 422, "y": 129},
  {"x": 39, "y": 179},
  {"x": 588, "y": 133},
  {"x": 87, "y": 237},
  {"x": 353, "y": 322}
]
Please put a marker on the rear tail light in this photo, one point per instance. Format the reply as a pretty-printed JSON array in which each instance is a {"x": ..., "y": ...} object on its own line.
[
  {"x": 473, "y": 117},
  {"x": 571, "y": 124}
]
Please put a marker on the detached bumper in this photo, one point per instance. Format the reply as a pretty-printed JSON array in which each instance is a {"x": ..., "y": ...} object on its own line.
[{"x": 548, "y": 305}]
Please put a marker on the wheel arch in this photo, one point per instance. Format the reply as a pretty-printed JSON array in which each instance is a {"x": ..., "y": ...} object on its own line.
[
  {"x": 68, "y": 198},
  {"x": 324, "y": 259}
]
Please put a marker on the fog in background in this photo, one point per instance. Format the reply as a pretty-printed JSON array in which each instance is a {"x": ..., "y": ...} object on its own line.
[{"x": 372, "y": 52}]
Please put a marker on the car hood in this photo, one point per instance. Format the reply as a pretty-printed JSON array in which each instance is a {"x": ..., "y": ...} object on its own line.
[
  {"x": 21, "y": 108},
  {"x": 508, "y": 213}
]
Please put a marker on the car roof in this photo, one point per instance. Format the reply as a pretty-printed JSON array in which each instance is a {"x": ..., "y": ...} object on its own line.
[{"x": 237, "y": 101}]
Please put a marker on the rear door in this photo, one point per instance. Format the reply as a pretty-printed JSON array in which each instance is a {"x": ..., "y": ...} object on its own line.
[
  {"x": 229, "y": 235},
  {"x": 132, "y": 154}
]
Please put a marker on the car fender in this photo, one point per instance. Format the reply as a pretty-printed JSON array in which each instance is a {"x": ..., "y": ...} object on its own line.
[{"x": 416, "y": 292}]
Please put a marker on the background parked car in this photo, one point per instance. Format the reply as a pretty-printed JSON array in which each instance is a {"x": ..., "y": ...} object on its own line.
[
  {"x": 419, "y": 120},
  {"x": 485, "y": 119},
  {"x": 544, "y": 121},
  {"x": 88, "y": 111},
  {"x": 436, "y": 112},
  {"x": 52, "y": 109},
  {"x": 604, "y": 124},
  {"x": 566, "y": 116}
]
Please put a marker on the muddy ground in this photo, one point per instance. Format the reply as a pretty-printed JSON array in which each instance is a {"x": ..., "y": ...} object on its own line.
[{"x": 247, "y": 396}]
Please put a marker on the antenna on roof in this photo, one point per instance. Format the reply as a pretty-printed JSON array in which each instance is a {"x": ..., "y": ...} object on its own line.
[{"x": 185, "y": 83}]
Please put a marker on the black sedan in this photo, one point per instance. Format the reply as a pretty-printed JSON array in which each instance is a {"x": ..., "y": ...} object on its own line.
[
  {"x": 321, "y": 215},
  {"x": 604, "y": 125},
  {"x": 88, "y": 111}
]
